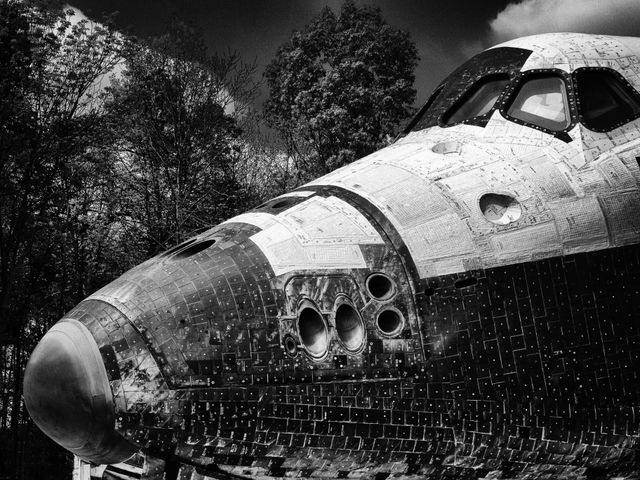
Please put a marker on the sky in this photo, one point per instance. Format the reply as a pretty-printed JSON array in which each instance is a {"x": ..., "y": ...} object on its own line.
[{"x": 446, "y": 32}]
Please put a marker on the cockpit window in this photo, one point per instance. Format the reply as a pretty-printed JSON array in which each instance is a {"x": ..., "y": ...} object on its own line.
[
  {"x": 542, "y": 101},
  {"x": 605, "y": 101},
  {"x": 479, "y": 100},
  {"x": 490, "y": 64}
]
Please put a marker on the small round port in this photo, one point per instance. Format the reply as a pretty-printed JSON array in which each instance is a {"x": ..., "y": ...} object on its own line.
[
  {"x": 380, "y": 286},
  {"x": 178, "y": 247},
  {"x": 290, "y": 346},
  {"x": 285, "y": 202},
  {"x": 390, "y": 322},
  {"x": 500, "y": 209},
  {"x": 193, "y": 249}
]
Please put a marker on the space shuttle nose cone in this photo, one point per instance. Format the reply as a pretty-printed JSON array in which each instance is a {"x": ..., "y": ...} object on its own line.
[{"x": 67, "y": 393}]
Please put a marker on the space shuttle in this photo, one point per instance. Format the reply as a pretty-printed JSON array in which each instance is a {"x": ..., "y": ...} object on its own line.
[{"x": 464, "y": 303}]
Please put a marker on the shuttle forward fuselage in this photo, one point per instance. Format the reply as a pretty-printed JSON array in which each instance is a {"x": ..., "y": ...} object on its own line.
[{"x": 463, "y": 303}]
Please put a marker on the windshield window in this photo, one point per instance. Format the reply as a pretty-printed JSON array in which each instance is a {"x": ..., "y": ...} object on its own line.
[
  {"x": 605, "y": 101},
  {"x": 542, "y": 101},
  {"x": 490, "y": 64},
  {"x": 479, "y": 100}
]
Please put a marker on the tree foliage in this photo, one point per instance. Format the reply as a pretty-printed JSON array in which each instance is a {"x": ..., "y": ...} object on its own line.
[
  {"x": 95, "y": 178},
  {"x": 48, "y": 188},
  {"x": 340, "y": 88},
  {"x": 49, "y": 113},
  {"x": 175, "y": 137}
]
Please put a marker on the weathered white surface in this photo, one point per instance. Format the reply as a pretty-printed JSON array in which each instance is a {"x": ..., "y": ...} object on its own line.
[
  {"x": 318, "y": 233},
  {"x": 574, "y": 197}
]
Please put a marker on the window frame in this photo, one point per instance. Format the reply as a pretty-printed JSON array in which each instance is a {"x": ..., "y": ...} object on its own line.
[
  {"x": 468, "y": 93},
  {"x": 508, "y": 95},
  {"x": 496, "y": 60},
  {"x": 629, "y": 87},
  {"x": 523, "y": 78},
  {"x": 418, "y": 116}
]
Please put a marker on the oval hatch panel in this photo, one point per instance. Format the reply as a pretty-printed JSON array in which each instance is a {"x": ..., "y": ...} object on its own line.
[{"x": 500, "y": 209}]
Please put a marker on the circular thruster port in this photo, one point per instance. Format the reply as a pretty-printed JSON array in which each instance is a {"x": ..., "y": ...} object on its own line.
[
  {"x": 182, "y": 245},
  {"x": 390, "y": 322},
  {"x": 284, "y": 202},
  {"x": 193, "y": 249},
  {"x": 349, "y": 326},
  {"x": 313, "y": 331},
  {"x": 290, "y": 346},
  {"x": 380, "y": 286}
]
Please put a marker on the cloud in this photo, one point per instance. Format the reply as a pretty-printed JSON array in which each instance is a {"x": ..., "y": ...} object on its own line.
[
  {"x": 77, "y": 15},
  {"x": 528, "y": 17}
]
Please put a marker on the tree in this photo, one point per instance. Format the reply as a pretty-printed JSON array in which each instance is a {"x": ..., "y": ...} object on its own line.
[
  {"x": 48, "y": 115},
  {"x": 175, "y": 137},
  {"x": 339, "y": 88},
  {"x": 91, "y": 181},
  {"x": 263, "y": 167}
]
